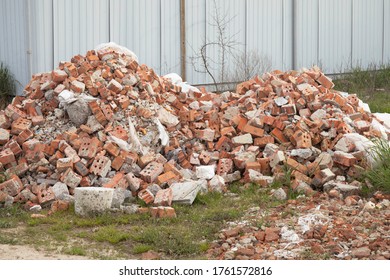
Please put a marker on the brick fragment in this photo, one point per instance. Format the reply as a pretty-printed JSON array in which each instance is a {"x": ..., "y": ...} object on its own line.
[
  {"x": 163, "y": 197},
  {"x": 7, "y": 156},
  {"x": 13, "y": 186},
  {"x": 100, "y": 166},
  {"x": 4, "y": 136},
  {"x": 20, "y": 125},
  {"x": 146, "y": 195},
  {"x": 70, "y": 178},
  {"x": 151, "y": 171}
]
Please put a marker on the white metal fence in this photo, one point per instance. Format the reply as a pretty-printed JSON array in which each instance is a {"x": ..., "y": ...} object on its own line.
[{"x": 335, "y": 34}]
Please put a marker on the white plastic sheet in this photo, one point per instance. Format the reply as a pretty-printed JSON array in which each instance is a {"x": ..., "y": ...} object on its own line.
[{"x": 117, "y": 48}]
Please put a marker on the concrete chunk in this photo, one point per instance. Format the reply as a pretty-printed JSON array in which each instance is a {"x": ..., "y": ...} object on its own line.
[{"x": 92, "y": 200}]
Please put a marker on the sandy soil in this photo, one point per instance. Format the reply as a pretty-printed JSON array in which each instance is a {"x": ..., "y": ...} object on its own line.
[{"x": 22, "y": 252}]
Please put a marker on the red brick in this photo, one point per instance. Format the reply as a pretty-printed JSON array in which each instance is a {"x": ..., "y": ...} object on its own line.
[
  {"x": 5, "y": 122},
  {"x": 88, "y": 147},
  {"x": 112, "y": 149},
  {"x": 12, "y": 186},
  {"x": 20, "y": 125},
  {"x": 344, "y": 159},
  {"x": 85, "y": 182},
  {"x": 98, "y": 113},
  {"x": 253, "y": 130},
  {"x": 166, "y": 177},
  {"x": 279, "y": 136},
  {"x": 263, "y": 141},
  {"x": 120, "y": 132},
  {"x": 37, "y": 120},
  {"x": 114, "y": 86},
  {"x": 71, "y": 179},
  {"x": 224, "y": 144},
  {"x": 7, "y": 156},
  {"x": 59, "y": 205},
  {"x": 107, "y": 111},
  {"x": 302, "y": 139},
  {"x": 45, "y": 196},
  {"x": 145, "y": 160},
  {"x": 166, "y": 212},
  {"x": 64, "y": 164},
  {"x": 58, "y": 76},
  {"x": 134, "y": 182},
  {"x": 24, "y": 136},
  {"x": 225, "y": 166},
  {"x": 146, "y": 195},
  {"x": 151, "y": 172},
  {"x": 163, "y": 197},
  {"x": 118, "y": 181},
  {"x": 124, "y": 101},
  {"x": 296, "y": 165},
  {"x": 118, "y": 162},
  {"x": 101, "y": 166},
  {"x": 14, "y": 113}
]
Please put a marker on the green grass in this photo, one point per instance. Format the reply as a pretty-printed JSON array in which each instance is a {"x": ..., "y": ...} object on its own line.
[
  {"x": 110, "y": 234},
  {"x": 372, "y": 85},
  {"x": 379, "y": 174},
  {"x": 75, "y": 251},
  {"x": 141, "y": 248},
  {"x": 186, "y": 237}
]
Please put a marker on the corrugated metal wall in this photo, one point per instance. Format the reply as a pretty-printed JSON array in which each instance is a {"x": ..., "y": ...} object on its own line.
[
  {"x": 335, "y": 34},
  {"x": 14, "y": 38}
]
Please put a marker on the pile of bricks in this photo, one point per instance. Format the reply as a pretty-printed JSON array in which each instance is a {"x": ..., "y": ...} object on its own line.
[{"x": 292, "y": 119}]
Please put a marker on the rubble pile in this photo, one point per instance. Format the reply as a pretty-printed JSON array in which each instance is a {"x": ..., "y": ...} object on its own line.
[{"x": 103, "y": 120}]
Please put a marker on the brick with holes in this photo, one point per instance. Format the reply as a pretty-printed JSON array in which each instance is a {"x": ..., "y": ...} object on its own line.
[
  {"x": 20, "y": 125},
  {"x": 71, "y": 179},
  {"x": 100, "y": 166},
  {"x": 146, "y": 195},
  {"x": 88, "y": 147},
  {"x": 151, "y": 171}
]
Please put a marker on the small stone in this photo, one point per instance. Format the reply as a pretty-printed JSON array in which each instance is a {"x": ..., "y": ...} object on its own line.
[
  {"x": 217, "y": 184},
  {"x": 362, "y": 252},
  {"x": 205, "y": 171},
  {"x": 243, "y": 139},
  {"x": 279, "y": 194},
  {"x": 271, "y": 235}
]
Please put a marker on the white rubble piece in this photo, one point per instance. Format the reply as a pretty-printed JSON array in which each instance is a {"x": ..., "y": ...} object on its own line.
[
  {"x": 60, "y": 189},
  {"x": 111, "y": 46},
  {"x": 92, "y": 200},
  {"x": 243, "y": 139},
  {"x": 301, "y": 153},
  {"x": 166, "y": 118},
  {"x": 310, "y": 220},
  {"x": 279, "y": 194},
  {"x": 185, "y": 192},
  {"x": 217, "y": 183},
  {"x": 205, "y": 172}
]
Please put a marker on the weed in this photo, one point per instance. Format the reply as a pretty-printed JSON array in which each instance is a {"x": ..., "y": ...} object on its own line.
[
  {"x": 75, "y": 251},
  {"x": 7, "y": 86},
  {"x": 141, "y": 248},
  {"x": 110, "y": 234},
  {"x": 372, "y": 85},
  {"x": 7, "y": 240},
  {"x": 379, "y": 174},
  {"x": 5, "y": 224}
]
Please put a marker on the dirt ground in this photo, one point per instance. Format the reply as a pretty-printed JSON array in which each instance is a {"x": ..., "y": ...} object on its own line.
[{"x": 23, "y": 252}]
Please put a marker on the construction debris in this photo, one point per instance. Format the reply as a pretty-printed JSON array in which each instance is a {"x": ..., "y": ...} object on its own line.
[{"x": 103, "y": 121}]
